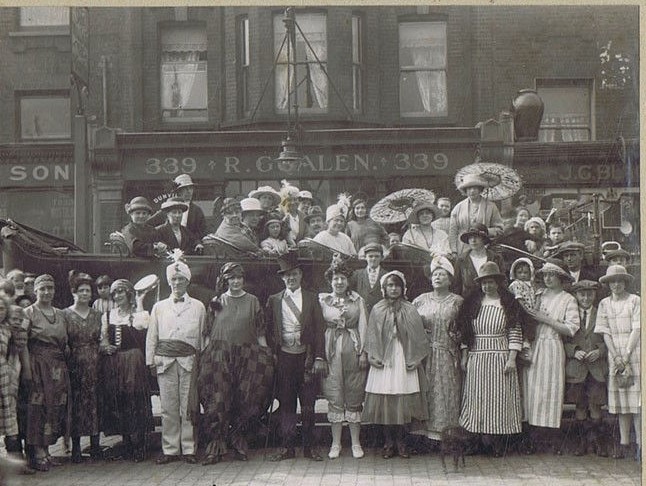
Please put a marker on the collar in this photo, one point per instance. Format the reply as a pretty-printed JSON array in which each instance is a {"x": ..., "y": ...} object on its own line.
[
  {"x": 375, "y": 270},
  {"x": 296, "y": 293},
  {"x": 235, "y": 296},
  {"x": 184, "y": 296}
]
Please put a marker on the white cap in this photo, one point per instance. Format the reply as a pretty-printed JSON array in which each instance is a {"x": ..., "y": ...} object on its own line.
[
  {"x": 250, "y": 204},
  {"x": 183, "y": 180},
  {"x": 305, "y": 195}
]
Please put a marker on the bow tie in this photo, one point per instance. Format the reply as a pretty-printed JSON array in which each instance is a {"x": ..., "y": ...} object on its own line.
[{"x": 181, "y": 299}]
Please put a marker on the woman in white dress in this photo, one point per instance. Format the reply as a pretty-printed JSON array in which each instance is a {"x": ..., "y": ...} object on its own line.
[
  {"x": 422, "y": 234},
  {"x": 396, "y": 345},
  {"x": 618, "y": 321},
  {"x": 557, "y": 315}
]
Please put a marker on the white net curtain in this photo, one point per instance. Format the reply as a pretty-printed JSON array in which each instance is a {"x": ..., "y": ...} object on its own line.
[
  {"x": 422, "y": 58},
  {"x": 183, "y": 61},
  {"x": 309, "y": 79}
]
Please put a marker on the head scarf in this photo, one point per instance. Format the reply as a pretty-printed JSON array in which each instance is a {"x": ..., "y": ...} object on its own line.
[
  {"x": 444, "y": 263},
  {"x": 382, "y": 282},
  {"x": 43, "y": 279},
  {"x": 176, "y": 268}
]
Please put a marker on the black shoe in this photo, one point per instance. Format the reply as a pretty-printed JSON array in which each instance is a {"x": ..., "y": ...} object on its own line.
[
  {"x": 388, "y": 452},
  {"x": 190, "y": 459},
  {"x": 312, "y": 453},
  {"x": 77, "y": 458},
  {"x": 581, "y": 449},
  {"x": 240, "y": 456},
  {"x": 211, "y": 459},
  {"x": 165, "y": 459},
  {"x": 282, "y": 454}
]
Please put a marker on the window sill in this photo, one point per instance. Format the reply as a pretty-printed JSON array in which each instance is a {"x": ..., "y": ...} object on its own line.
[{"x": 56, "y": 38}]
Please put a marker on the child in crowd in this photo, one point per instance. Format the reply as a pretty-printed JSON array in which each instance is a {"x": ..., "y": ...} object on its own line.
[
  {"x": 555, "y": 237},
  {"x": 275, "y": 244},
  {"x": 17, "y": 277},
  {"x": 585, "y": 372},
  {"x": 393, "y": 239},
  {"x": 104, "y": 303}
]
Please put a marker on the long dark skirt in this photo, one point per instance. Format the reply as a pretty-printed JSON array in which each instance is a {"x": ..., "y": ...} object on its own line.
[
  {"x": 124, "y": 406},
  {"x": 234, "y": 384},
  {"x": 84, "y": 364},
  {"x": 47, "y": 408}
]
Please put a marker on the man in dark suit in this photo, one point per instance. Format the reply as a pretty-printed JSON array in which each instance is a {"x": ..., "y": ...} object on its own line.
[
  {"x": 193, "y": 219},
  {"x": 366, "y": 280},
  {"x": 295, "y": 332},
  {"x": 571, "y": 252},
  {"x": 172, "y": 233},
  {"x": 586, "y": 370}
]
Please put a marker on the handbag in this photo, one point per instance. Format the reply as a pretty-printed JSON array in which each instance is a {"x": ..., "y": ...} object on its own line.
[{"x": 625, "y": 378}]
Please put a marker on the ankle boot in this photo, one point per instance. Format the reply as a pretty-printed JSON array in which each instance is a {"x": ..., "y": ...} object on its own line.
[
  {"x": 599, "y": 438},
  {"x": 95, "y": 447},
  {"x": 581, "y": 435}
]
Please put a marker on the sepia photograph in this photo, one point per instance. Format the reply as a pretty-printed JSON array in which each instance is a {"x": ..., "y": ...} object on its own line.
[{"x": 320, "y": 244}]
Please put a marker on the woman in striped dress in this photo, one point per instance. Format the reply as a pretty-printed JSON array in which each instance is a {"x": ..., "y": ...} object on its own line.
[
  {"x": 557, "y": 314},
  {"x": 618, "y": 321},
  {"x": 489, "y": 325}
]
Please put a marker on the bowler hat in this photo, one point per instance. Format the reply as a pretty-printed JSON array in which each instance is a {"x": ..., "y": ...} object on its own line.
[
  {"x": 138, "y": 203},
  {"x": 287, "y": 263},
  {"x": 616, "y": 272},
  {"x": 477, "y": 229},
  {"x": 174, "y": 203},
  {"x": 489, "y": 269}
]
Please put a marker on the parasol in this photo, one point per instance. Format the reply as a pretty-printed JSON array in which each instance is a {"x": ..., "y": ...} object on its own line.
[
  {"x": 504, "y": 181},
  {"x": 395, "y": 207}
]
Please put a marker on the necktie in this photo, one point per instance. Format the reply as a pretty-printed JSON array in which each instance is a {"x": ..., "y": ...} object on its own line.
[
  {"x": 585, "y": 319},
  {"x": 181, "y": 299}
]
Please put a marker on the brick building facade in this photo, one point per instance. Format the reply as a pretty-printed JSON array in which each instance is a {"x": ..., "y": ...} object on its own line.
[{"x": 386, "y": 123}]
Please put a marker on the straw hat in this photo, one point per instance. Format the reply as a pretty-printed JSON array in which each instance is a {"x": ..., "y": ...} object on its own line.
[
  {"x": 183, "y": 180},
  {"x": 616, "y": 272},
  {"x": 305, "y": 195},
  {"x": 555, "y": 265},
  {"x": 472, "y": 180},
  {"x": 266, "y": 190}
]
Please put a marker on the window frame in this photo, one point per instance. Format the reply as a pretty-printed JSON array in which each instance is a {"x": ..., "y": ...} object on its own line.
[
  {"x": 243, "y": 63},
  {"x": 302, "y": 109},
  {"x": 180, "y": 121},
  {"x": 411, "y": 69},
  {"x": 358, "y": 64},
  {"x": 20, "y": 95},
  {"x": 589, "y": 84}
]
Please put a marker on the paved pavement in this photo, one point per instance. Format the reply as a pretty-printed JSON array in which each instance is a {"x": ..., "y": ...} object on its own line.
[{"x": 514, "y": 469}]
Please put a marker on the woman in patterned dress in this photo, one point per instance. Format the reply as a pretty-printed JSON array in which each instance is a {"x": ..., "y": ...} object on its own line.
[
  {"x": 557, "y": 315},
  {"x": 618, "y": 321},
  {"x": 439, "y": 309},
  {"x": 489, "y": 324},
  {"x": 235, "y": 371},
  {"x": 346, "y": 321},
  {"x": 83, "y": 331},
  {"x": 8, "y": 418},
  {"x": 125, "y": 406},
  {"x": 47, "y": 408},
  {"x": 396, "y": 345}
]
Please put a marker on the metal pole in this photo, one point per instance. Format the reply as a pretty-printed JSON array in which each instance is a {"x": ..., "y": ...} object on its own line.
[{"x": 81, "y": 221}]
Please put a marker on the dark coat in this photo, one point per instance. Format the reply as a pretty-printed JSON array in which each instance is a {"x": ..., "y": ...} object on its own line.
[
  {"x": 360, "y": 283},
  {"x": 465, "y": 272},
  {"x": 166, "y": 235},
  {"x": 586, "y": 340},
  {"x": 196, "y": 222},
  {"x": 313, "y": 332},
  {"x": 140, "y": 239}
]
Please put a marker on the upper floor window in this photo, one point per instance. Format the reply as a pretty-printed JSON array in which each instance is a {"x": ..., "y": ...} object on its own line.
[
  {"x": 422, "y": 69},
  {"x": 357, "y": 62},
  {"x": 44, "y": 16},
  {"x": 44, "y": 116},
  {"x": 309, "y": 81},
  {"x": 183, "y": 73},
  {"x": 243, "y": 62},
  {"x": 567, "y": 115}
]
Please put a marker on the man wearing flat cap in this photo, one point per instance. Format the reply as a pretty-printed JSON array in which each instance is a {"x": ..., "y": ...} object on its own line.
[
  {"x": 366, "y": 280},
  {"x": 172, "y": 233},
  {"x": 571, "y": 252},
  {"x": 173, "y": 340},
  {"x": 296, "y": 333},
  {"x": 586, "y": 369}
]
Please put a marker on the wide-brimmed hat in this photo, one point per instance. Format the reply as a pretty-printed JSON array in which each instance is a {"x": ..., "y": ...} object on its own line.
[
  {"x": 569, "y": 246},
  {"x": 413, "y": 216},
  {"x": 314, "y": 212},
  {"x": 249, "y": 204},
  {"x": 489, "y": 269},
  {"x": 477, "y": 229},
  {"x": 267, "y": 190},
  {"x": 174, "y": 203},
  {"x": 288, "y": 263},
  {"x": 137, "y": 203},
  {"x": 183, "y": 180},
  {"x": 305, "y": 195},
  {"x": 616, "y": 272},
  {"x": 230, "y": 203},
  {"x": 584, "y": 285},
  {"x": 472, "y": 180},
  {"x": 619, "y": 252},
  {"x": 557, "y": 266}
]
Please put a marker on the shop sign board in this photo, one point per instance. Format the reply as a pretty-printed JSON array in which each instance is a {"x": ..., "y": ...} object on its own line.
[
  {"x": 37, "y": 175},
  {"x": 324, "y": 164},
  {"x": 565, "y": 174}
]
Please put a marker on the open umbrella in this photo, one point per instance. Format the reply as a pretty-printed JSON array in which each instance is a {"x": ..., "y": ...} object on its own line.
[
  {"x": 503, "y": 181},
  {"x": 395, "y": 207}
]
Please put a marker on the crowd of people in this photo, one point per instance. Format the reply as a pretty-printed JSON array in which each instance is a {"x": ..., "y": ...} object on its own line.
[{"x": 495, "y": 346}]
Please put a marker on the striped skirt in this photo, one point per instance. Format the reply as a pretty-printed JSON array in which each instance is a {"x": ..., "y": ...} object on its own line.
[{"x": 491, "y": 399}]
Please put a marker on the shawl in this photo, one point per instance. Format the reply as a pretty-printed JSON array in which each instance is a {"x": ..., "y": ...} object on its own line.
[{"x": 402, "y": 318}]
